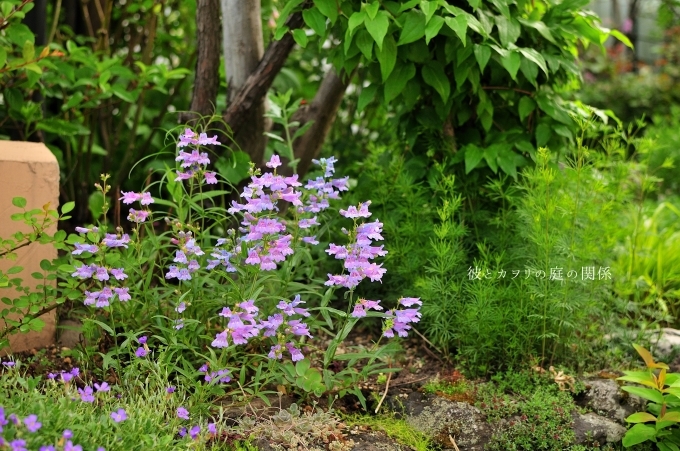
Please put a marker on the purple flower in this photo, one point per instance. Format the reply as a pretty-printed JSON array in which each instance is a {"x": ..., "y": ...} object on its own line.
[
  {"x": 363, "y": 305},
  {"x": 353, "y": 212},
  {"x": 86, "y": 394},
  {"x": 274, "y": 162},
  {"x": 146, "y": 199},
  {"x": 102, "y": 387},
  {"x": 181, "y": 307},
  {"x": 170, "y": 389},
  {"x": 194, "y": 431},
  {"x": 67, "y": 434},
  {"x": 131, "y": 197},
  {"x": 18, "y": 445},
  {"x": 295, "y": 353},
  {"x": 112, "y": 240},
  {"x": 142, "y": 339},
  {"x": 80, "y": 248},
  {"x": 297, "y": 327},
  {"x": 212, "y": 429},
  {"x": 69, "y": 446},
  {"x": 275, "y": 352},
  {"x": 8, "y": 364},
  {"x": 84, "y": 271},
  {"x": 46, "y": 448},
  {"x": 292, "y": 308},
  {"x": 138, "y": 216},
  {"x": 182, "y": 413},
  {"x": 101, "y": 273},
  {"x": 82, "y": 230},
  {"x": 123, "y": 295},
  {"x": 31, "y": 423},
  {"x": 182, "y": 431},
  {"x": 179, "y": 323},
  {"x": 119, "y": 416},
  {"x": 210, "y": 178},
  {"x": 408, "y": 302},
  {"x": 141, "y": 352}
]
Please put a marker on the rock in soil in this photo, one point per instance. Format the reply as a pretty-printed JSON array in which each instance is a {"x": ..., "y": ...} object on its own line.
[
  {"x": 591, "y": 428},
  {"x": 605, "y": 397}
]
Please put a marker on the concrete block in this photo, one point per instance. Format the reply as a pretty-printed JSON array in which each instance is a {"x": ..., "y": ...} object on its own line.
[{"x": 31, "y": 171}]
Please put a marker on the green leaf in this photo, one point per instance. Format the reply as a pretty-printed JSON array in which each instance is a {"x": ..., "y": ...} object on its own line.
[
  {"x": 45, "y": 265},
  {"x": 365, "y": 43},
  {"x": 14, "y": 270},
  {"x": 19, "y": 202},
  {"x": 473, "y": 155},
  {"x": 62, "y": 127},
  {"x": 315, "y": 20},
  {"x": 529, "y": 70},
  {"x": 543, "y": 134},
  {"x": 482, "y": 55},
  {"x": 640, "y": 417},
  {"x": 300, "y": 37},
  {"x": 372, "y": 9},
  {"x": 414, "y": 27},
  {"x": 638, "y": 434},
  {"x": 396, "y": 82},
  {"x": 95, "y": 204},
  {"x": 378, "y": 28},
  {"x": 3, "y": 56},
  {"x": 28, "y": 51},
  {"x": 526, "y": 106},
  {"x": 68, "y": 207},
  {"x": 511, "y": 62},
  {"x": 536, "y": 57},
  {"x": 428, "y": 8},
  {"x": 355, "y": 20},
  {"x": 553, "y": 109},
  {"x": 328, "y": 8},
  {"x": 669, "y": 416},
  {"x": 616, "y": 33},
  {"x": 540, "y": 27},
  {"x": 646, "y": 393},
  {"x": 367, "y": 95},
  {"x": 433, "y": 74},
  {"x": 33, "y": 67},
  {"x": 302, "y": 366},
  {"x": 474, "y": 3},
  {"x": 459, "y": 25},
  {"x": 234, "y": 169},
  {"x": 285, "y": 12},
  {"x": 387, "y": 57},
  {"x": 502, "y": 7},
  {"x": 508, "y": 162},
  {"x": 433, "y": 27},
  {"x": 508, "y": 30},
  {"x": 280, "y": 32}
]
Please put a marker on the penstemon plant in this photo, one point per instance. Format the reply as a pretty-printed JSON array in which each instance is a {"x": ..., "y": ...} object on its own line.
[{"x": 236, "y": 299}]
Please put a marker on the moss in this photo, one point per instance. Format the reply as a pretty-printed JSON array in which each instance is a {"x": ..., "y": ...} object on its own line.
[{"x": 396, "y": 429}]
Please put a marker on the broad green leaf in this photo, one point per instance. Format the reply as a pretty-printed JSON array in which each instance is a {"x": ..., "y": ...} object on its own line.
[
  {"x": 646, "y": 393},
  {"x": 408, "y": 5},
  {"x": 33, "y": 67},
  {"x": 328, "y": 8},
  {"x": 433, "y": 27},
  {"x": 529, "y": 70},
  {"x": 300, "y": 37},
  {"x": 235, "y": 168},
  {"x": 315, "y": 20},
  {"x": 19, "y": 202},
  {"x": 367, "y": 95},
  {"x": 502, "y": 7},
  {"x": 508, "y": 30},
  {"x": 511, "y": 62},
  {"x": 280, "y": 32},
  {"x": 3, "y": 57},
  {"x": 414, "y": 27},
  {"x": 285, "y": 12},
  {"x": 543, "y": 134},
  {"x": 372, "y": 9},
  {"x": 95, "y": 204},
  {"x": 638, "y": 434},
  {"x": 669, "y": 416},
  {"x": 365, "y": 43},
  {"x": 540, "y": 27},
  {"x": 28, "y": 51},
  {"x": 508, "y": 162},
  {"x": 459, "y": 25},
  {"x": 474, "y": 3},
  {"x": 482, "y": 55},
  {"x": 14, "y": 270},
  {"x": 536, "y": 57},
  {"x": 387, "y": 57},
  {"x": 460, "y": 74},
  {"x": 68, "y": 207},
  {"x": 355, "y": 20},
  {"x": 647, "y": 357},
  {"x": 428, "y": 8},
  {"x": 434, "y": 75},
  {"x": 396, "y": 82},
  {"x": 473, "y": 155},
  {"x": 378, "y": 27},
  {"x": 75, "y": 99},
  {"x": 640, "y": 417},
  {"x": 553, "y": 109},
  {"x": 616, "y": 33},
  {"x": 526, "y": 106},
  {"x": 62, "y": 127}
]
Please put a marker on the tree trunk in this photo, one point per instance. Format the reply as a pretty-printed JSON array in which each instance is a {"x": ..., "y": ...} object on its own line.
[
  {"x": 209, "y": 49},
  {"x": 243, "y": 49}
]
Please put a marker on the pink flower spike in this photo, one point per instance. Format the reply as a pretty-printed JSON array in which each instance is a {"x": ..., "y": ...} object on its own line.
[
  {"x": 408, "y": 302},
  {"x": 210, "y": 178},
  {"x": 130, "y": 197}
]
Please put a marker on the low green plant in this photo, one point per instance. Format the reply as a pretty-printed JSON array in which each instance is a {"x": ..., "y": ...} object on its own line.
[
  {"x": 395, "y": 428},
  {"x": 437, "y": 385},
  {"x": 662, "y": 391}
]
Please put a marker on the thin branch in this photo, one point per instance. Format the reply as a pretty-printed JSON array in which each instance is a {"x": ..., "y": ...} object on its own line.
[{"x": 387, "y": 387}]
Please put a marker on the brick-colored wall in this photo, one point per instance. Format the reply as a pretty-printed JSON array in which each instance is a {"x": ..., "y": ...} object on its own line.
[{"x": 31, "y": 171}]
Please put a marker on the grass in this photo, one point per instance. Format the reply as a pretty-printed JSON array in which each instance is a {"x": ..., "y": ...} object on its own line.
[{"x": 394, "y": 428}]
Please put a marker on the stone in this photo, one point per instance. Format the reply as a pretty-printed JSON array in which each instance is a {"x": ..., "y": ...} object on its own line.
[
  {"x": 444, "y": 420},
  {"x": 664, "y": 342},
  {"x": 605, "y": 397},
  {"x": 31, "y": 171},
  {"x": 590, "y": 428},
  {"x": 70, "y": 333}
]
